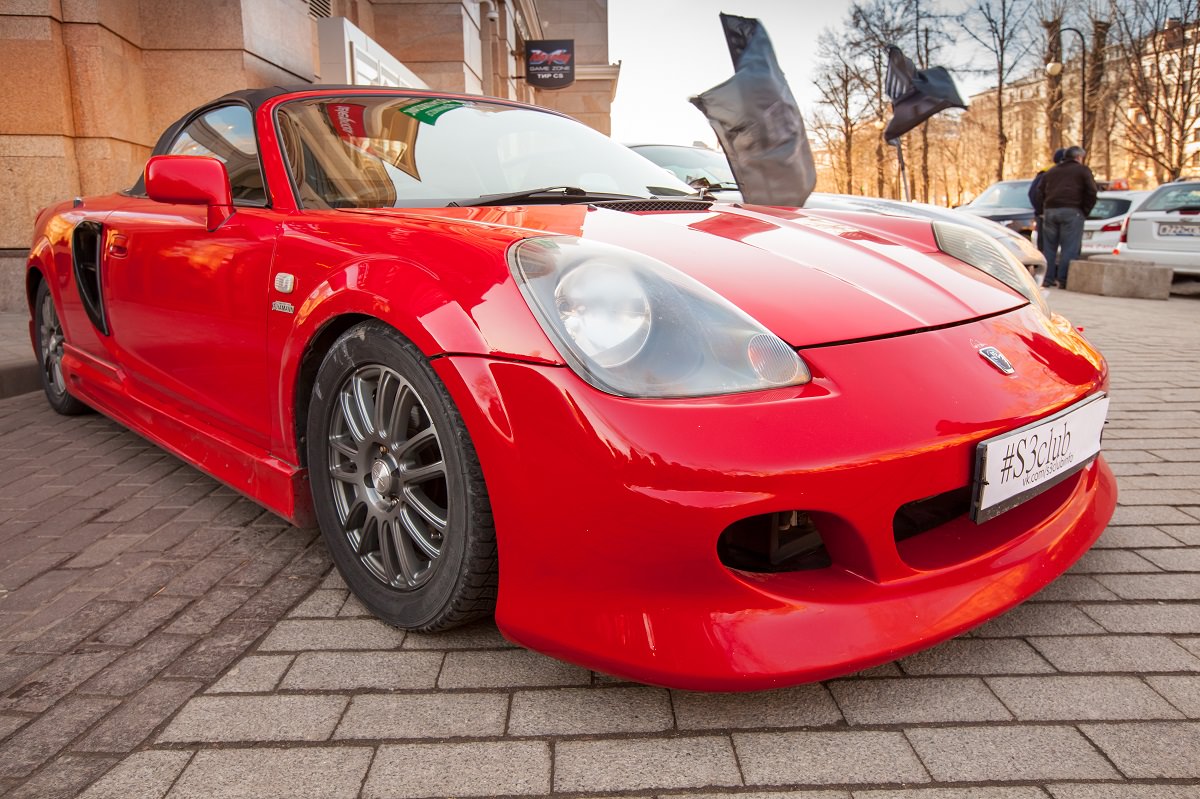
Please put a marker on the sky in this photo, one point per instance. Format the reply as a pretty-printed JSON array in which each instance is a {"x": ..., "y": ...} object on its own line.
[{"x": 671, "y": 50}]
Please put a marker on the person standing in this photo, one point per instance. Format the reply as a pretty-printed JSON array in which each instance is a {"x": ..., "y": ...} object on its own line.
[
  {"x": 1035, "y": 199},
  {"x": 1068, "y": 194}
]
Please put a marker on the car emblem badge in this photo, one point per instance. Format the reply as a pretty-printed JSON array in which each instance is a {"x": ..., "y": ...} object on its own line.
[
  {"x": 285, "y": 307},
  {"x": 997, "y": 359}
]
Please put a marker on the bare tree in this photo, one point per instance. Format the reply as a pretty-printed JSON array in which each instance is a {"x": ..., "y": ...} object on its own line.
[
  {"x": 1158, "y": 43},
  {"x": 929, "y": 34},
  {"x": 1051, "y": 13},
  {"x": 998, "y": 26},
  {"x": 840, "y": 85},
  {"x": 874, "y": 24}
]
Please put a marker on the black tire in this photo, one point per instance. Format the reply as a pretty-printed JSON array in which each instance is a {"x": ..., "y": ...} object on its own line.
[
  {"x": 401, "y": 500},
  {"x": 50, "y": 352}
]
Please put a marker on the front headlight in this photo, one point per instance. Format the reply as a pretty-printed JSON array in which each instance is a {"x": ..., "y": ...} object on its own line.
[
  {"x": 633, "y": 326},
  {"x": 985, "y": 254}
]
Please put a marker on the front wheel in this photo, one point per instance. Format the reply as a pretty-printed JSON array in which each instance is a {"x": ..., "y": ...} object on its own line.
[
  {"x": 51, "y": 342},
  {"x": 397, "y": 486}
]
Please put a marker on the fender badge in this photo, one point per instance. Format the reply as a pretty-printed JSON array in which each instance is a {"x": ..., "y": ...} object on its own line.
[
  {"x": 286, "y": 307},
  {"x": 997, "y": 359}
]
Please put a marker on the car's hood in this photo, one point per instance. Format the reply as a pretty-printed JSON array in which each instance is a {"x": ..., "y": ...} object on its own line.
[{"x": 812, "y": 277}]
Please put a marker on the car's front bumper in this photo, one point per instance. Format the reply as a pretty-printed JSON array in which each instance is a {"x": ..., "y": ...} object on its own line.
[{"x": 608, "y": 510}]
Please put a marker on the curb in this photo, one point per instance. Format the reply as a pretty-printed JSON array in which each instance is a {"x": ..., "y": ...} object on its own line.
[{"x": 19, "y": 378}]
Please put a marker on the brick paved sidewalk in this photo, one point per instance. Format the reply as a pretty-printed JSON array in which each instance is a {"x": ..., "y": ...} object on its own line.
[{"x": 162, "y": 580}]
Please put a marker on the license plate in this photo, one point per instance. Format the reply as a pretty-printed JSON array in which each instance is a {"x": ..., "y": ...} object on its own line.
[
  {"x": 1178, "y": 229},
  {"x": 1087, "y": 234},
  {"x": 1015, "y": 466}
]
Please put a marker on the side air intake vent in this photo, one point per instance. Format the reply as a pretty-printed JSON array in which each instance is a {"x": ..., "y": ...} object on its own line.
[{"x": 773, "y": 542}]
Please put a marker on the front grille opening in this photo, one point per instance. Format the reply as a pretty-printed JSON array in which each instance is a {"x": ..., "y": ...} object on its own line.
[
  {"x": 772, "y": 543},
  {"x": 923, "y": 515}
]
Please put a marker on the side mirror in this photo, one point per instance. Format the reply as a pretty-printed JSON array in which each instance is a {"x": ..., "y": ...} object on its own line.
[{"x": 191, "y": 180}]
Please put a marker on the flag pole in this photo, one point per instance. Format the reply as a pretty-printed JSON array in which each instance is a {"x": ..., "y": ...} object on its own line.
[{"x": 904, "y": 193}]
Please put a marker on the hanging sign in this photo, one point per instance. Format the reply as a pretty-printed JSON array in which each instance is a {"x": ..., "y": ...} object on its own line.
[{"x": 550, "y": 63}]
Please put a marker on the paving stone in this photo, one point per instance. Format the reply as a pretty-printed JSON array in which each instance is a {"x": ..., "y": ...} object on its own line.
[
  {"x": 342, "y": 671},
  {"x": 45, "y": 687},
  {"x": 213, "y": 653},
  {"x": 1149, "y": 618},
  {"x": 917, "y": 699},
  {"x": 953, "y": 793},
  {"x": 1132, "y": 537},
  {"x": 147, "y": 581},
  {"x": 805, "y": 706},
  {"x": 1055, "y": 698},
  {"x": 1073, "y": 588},
  {"x": 1149, "y": 515},
  {"x": 761, "y": 795},
  {"x": 293, "y": 635},
  {"x": 480, "y": 635},
  {"x": 636, "y": 764},
  {"x": 69, "y": 775},
  {"x": 504, "y": 768},
  {"x": 508, "y": 669},
  {"x": 130, "y": 628},
  {"x": 1008, "y": 754},
  {"x": 1185, "y": 533},
  {"x": 132, "y": 723},
  {"x": 199, "y": 578},
  {"x": 302, "y": 773},
  {"x": 44, "y": 737},
  {"x": 1112, "y": 561},
  {"x": 255, "y": 718},
  {"x": 275, "y": 598},
  {"x": 1039, "y": 619},
  {"x": 353, "y": 607},
  {"x": 590, "y": 711},
  {"x": 253, "y": 674},
  {"x": 138, "y": 666},
  {"x": 15, "y": 668},
  {"x": 1116, "y": 653},
  {"x": 1182, "y": 692},
  {"x": 440, "y": 715},
  {"x": 977, "y": 656},
  {"x": 209, "y": 610},
  {"x": 142, "y": 775},
  {"x": 10, "y": 724},
  {"x": 54, "y": 612},
  {"x": 102, "y": 551},
  {"x": 1174, "y": 560},
  {"x": 320, "y": 604},
  {"x": 1150, "y": 750},
  {"x": 1122, "y": 790},
  {"x": 824, "y": 758}
]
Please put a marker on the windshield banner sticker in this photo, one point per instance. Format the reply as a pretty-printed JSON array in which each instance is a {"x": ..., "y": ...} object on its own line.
[{"x": 428, "y": 111}]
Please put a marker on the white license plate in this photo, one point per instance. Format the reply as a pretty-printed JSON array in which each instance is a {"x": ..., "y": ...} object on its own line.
[
  {"x": 1014, "y": 466},
  {"x": 1177, "y": 229}
]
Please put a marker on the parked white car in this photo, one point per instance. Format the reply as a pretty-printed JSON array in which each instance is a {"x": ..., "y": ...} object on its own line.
[
  {"x": 1165, "y": 229},
  {"x": 1102, "y": 229}
]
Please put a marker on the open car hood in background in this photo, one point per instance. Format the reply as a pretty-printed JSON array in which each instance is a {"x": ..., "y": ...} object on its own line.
[{"x": 812, "y": 277}]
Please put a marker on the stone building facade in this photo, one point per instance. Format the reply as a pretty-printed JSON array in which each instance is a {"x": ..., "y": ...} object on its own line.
[{"x": 90, "y": 84}]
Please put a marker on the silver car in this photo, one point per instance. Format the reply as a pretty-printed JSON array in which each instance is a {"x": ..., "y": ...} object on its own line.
[
  {"x": 1102, "y": 229},
  {"x": 1165, "y": 229}
]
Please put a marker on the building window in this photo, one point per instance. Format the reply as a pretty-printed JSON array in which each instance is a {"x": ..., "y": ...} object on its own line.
[
  {"x": 1196, "y": 134},
  {"x": 320, "y": 9}
]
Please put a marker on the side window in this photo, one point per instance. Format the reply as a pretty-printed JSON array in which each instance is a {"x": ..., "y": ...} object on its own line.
[{"x": 227, "y": 134}]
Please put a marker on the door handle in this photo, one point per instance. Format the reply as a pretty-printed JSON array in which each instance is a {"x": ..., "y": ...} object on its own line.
[{"x": 118, "y": 246}]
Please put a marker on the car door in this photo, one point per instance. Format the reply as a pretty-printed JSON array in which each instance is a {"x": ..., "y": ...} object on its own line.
[
  {"x": 187, "y": 307},
  {"x": 1168, "y": 222}
]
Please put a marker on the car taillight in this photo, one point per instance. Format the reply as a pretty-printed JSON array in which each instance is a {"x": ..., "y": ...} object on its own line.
[
  {"x": 1111, "y": 227},
  {"x": 1125, "y": 230}
]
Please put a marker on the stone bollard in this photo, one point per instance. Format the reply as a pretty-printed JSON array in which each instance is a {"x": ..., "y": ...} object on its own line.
[{"x": 1120, "y": 277}]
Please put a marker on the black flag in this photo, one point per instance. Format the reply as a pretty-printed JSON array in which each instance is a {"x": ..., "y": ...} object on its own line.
[
  {"x": 917, "y": 94},
  {"x": 758, "y": 122}
]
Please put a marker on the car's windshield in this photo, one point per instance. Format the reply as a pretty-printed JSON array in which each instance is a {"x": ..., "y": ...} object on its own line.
[
  {"x": 1169, "y": 198},
  {"x": 1108, "y": 207},
  {"x": 690, "y": 163},
  {"x": 1009, "y": 194},
  {"x": 382, "y": 151}
]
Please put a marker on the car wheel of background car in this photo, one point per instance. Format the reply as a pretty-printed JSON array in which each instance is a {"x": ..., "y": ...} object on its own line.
[
  {"x": 50, "y": 354},
  {"x": 398, "y": 489}
]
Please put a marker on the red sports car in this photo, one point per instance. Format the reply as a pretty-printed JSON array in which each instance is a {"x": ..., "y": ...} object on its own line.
[{"x": 511, "y": 367}]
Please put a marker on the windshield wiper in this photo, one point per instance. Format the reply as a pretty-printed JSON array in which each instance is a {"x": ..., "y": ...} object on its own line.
[{"x": 570, "y": 193}]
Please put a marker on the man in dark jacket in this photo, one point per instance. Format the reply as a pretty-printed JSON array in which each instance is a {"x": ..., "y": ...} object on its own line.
[
  {"x": 1068, "y": 193},
  {"x": 1035, "y": 199}
]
